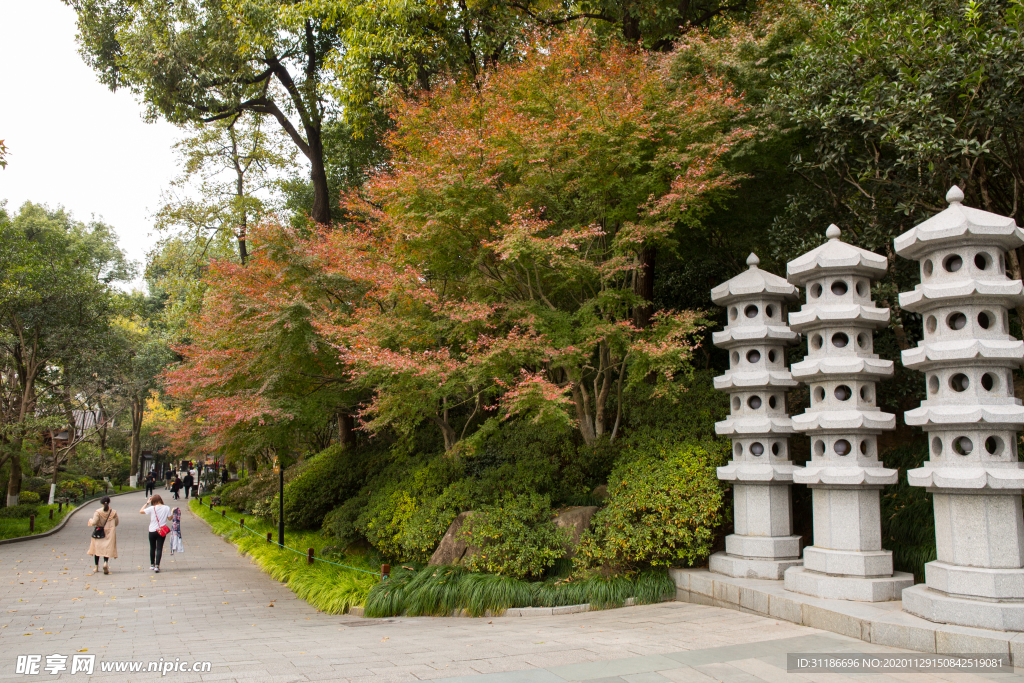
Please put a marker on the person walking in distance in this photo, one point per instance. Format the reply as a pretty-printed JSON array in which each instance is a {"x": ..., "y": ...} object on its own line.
[
  {"x": 168, "y": 479},
  {"x": 189, "y": 480},
  {"x": 104, "y": 538},
  {"x": 176, "y": 486},
  {"x": 150, "y": 483},
  {"x": 158, "y": 529}
]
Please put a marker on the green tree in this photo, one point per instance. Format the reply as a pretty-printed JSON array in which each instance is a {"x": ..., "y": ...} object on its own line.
[
  {"x": 56, "y": 298},
  {"x": 201, "y": 61},
  {"x": 899, "y": 101}
]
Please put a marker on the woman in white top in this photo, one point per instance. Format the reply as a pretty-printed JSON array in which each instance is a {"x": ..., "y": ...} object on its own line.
[{"x": 158, "y": 514}]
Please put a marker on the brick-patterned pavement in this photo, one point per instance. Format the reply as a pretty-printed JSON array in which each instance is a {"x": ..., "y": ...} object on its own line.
[{"x": 211, "y": 604}]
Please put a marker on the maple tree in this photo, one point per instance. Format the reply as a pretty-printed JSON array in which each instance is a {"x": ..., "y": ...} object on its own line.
[{"x": 520, "y": 207}]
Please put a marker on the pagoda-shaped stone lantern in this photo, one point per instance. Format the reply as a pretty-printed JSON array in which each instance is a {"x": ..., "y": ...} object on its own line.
[
  {"x": 756, "y": 335},
  {"x": 847, "y": 561},
  {"x": 970, "y": 415}
]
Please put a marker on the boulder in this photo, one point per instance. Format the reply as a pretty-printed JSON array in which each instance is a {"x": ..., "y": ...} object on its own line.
[
  {"x": 601, "y": 492},
  {"x": 451, "y": 549},
  {"x": 576, "y": 520}
]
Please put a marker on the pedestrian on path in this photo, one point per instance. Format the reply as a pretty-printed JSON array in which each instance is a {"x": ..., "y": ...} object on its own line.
[
  {"x": 176, "y": 486},
  {"x": 189, "y": 481},
  {"x": 168, "y": 478},
  {"x": 158, "y": 529},
  {"x": 150, "y": 483},
  {"x": 104, "y": 539},
  {"x": 176, "y": 545}
]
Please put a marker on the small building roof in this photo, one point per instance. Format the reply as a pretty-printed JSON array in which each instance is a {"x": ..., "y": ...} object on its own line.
[
  {"x": 753, "y": 282},
  {"x": 835, "y": 255},
  {"x": 956, "y": 223}
]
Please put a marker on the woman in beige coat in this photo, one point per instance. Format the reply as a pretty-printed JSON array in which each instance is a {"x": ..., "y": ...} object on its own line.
[{"x": 106, "y": 547}]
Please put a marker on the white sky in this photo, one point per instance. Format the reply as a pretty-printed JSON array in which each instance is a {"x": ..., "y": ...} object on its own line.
[{"x": 71, "y": 141}]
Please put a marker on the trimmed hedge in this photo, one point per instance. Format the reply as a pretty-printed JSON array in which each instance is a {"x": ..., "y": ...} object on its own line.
[{"x": 321, "y": 484}]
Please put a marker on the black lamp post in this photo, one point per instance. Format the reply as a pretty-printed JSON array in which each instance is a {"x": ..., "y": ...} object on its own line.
[{"x": 280, "y": 500}]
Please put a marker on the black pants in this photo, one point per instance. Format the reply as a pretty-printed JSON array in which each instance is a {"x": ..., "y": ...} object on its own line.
[
  {"x": 97, "y": 558},
  {"x": 176, "y": 495},
  {"x": 156, "y": 548},
  {"x": 149, "y": 489},
  {"x": 188, "y": 489}
]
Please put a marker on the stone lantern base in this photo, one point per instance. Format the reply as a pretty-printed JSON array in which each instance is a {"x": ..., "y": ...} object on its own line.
[
  {"x": 752, "y": 567},
  {"x": 860, "y": 588},
  {"x": 943, "y": 608}
]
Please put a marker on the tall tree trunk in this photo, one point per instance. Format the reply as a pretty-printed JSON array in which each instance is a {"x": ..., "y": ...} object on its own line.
[
  {"x": 321, "y": 211},
  {"x": 14, "y": 481},
  {"x": 138, "y": 408},
  {"x": 645, "y": 287},
  {"x": 56, "y": 467},
  {"x": 346, "y": 430},
  {"x": 102, "y": 430}
]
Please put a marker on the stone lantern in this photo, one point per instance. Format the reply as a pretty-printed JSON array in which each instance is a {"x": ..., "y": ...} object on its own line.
[
  {"x": 760, "y": 471},
  {"x": 970, "y": 416},
  {"x": 847, "y": 561}
]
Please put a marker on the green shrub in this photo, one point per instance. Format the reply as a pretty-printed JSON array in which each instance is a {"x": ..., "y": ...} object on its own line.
[
  {"x": 18, "y": 511},
  {"x": 341, "y": 524},
  {"x": 322, "y": 482},
  {"x": 28, "y": 497},
  {"x": 516, "y": 537},
  {"x": 37, "y": 485},
  {"x": 255, "y": 494},
  {"x": 662, "y": 510},
  {"x": 908, "y": 520}
]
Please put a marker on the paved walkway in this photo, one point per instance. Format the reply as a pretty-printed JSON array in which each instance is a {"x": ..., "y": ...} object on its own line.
[{"x": 211, "y": 604}]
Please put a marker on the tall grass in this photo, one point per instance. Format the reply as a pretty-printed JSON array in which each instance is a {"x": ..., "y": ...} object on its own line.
[
  {"x": 439, "y": 591},
  {"x": 327, "y": 587},
  {"x": 15, "y": 527}
]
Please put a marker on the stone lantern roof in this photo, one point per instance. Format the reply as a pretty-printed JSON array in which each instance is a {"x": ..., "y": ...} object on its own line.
[
  {"x": 753, "y": 283},
  {"x": 835, "y": 255},
  {"x": 956, "y": 223}
]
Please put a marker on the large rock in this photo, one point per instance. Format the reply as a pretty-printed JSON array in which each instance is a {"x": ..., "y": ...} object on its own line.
[
  {"x": 576, "y": 520},
  {"x": 451, "y": 549}
]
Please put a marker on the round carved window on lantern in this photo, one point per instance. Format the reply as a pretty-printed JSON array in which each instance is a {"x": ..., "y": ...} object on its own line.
[
  {"x": 931, "y": 324},
  {"x": 933, "y": 384},
  {"x": 750, "y": 311},
  {"x": 819, "y": 447},
  {"x": 733, "y": 313},
  {"x": 994, "y": 445},
  {"x": 962, "y": 445},
  {"x": 840, "y": 340},
  {"x": 862, "y": 288},
  {"x": 769, "y": 311},
  {"x": 956, "y": 321},
  {"x": 735, "y": 357},
  {"x": 936, "y": 446},
  {"x": 771, "y": 356},
  {"x": 839, "y": 288},
  {"x": 772, "y": 402},
  {"x": 819, "y": 394},
  {"x": 862, "y": 340},
  {"x": 754, "y": 402},
  {"x": 738, "y": 449},
  {"x": 816, "y": 341},
  {"x": 865, "y": 393},
  {"x": 775, "y": 448},
  {"x": 736, "y": 403},
  {"x": 985, "y": 320},
  {"x": 864, "y": 448},
  {"x": 815, "y": 291},
  {"x": 928, "y": 268},
  {"x": 842, "y": 447},
  {"x": 756, "y": 448},
  {"x": 982, "y": 261},
  {"x": 988, "y": 381},
  {"x": 952, "y": 263},
  {"x": 753, "y": 356},
  {"x": 843, "y": 392},
  {"x": 959, "y": 382}
]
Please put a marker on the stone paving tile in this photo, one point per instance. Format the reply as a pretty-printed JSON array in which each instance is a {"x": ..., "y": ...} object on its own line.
[{"x": 210, "y": 604}]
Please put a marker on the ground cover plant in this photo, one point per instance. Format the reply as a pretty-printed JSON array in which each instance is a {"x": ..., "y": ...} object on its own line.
[{"x": 14, "y": 520}]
